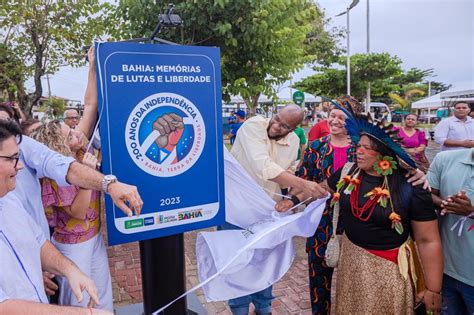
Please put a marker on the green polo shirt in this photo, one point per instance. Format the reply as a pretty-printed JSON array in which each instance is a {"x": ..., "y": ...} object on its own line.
[
  {"x": 450, "y": 172},
  {"x": 302, "y": 136}
]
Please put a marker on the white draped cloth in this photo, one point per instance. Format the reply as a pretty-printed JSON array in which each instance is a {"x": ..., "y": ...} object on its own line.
[{"x": 234, "y": 263}]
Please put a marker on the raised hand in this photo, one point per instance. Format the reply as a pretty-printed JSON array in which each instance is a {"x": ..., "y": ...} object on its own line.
[
  {"x": 89, "y": 160},
  {"x": 167, "y": 124}
]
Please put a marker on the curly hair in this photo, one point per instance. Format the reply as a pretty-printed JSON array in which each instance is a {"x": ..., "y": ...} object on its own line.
[{"x": 50, "y": 135}]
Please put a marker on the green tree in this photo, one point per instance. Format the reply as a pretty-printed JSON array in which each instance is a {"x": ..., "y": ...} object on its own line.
[
  {"x": 262, "y": 42},
  {"x": 11, "y": 74},
  {"x": 54, "y": 107},
  {"x": 403, "y": 101},
  {"x": 382, "y": 70},
  {"x": 377, "y": 68},
  {"x": 44, "y": 34}
]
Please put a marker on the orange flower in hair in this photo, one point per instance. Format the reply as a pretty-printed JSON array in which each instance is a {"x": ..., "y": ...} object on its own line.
[{"x": 385, "y": 165}]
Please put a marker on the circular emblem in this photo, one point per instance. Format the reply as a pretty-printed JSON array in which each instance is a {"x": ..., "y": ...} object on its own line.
[{"x": 165, "y": 134}]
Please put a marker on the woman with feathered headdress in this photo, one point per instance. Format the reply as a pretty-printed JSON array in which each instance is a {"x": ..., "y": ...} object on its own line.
[{"x": 380, "y": 211}]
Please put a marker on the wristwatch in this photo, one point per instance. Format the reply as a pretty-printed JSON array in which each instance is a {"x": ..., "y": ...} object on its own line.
[{"x": 106, "y": 181}]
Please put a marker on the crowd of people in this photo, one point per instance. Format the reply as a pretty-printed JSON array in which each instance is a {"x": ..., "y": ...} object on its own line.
[
  {"x": 60, "y": 176},
  {"x": 403, "y": 236},
  {"x": 398, "y": 228}
]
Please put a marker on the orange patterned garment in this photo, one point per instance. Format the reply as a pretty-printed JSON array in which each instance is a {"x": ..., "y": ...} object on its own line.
[{"x": 69, "y": 230}]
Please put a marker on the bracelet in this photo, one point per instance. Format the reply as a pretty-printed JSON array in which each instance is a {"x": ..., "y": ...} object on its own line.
[
  {"x": 295, "y": 200},
  {"x": 435, "y": 292}
]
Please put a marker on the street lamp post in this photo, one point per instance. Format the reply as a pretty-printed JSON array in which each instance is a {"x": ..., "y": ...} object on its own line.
[
  {"x": 368, "y": 52},
  {"x": 353, "y": 4},
  {"x": 429, "y": 94},
  {"x": 348, "y": 56}
]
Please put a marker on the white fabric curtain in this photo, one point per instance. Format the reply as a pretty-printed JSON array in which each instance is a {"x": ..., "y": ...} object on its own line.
[{"x": 235, "y": 263}]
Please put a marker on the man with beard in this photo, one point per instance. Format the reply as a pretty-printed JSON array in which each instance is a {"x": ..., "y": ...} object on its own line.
[{"x": 266, "y": 149}]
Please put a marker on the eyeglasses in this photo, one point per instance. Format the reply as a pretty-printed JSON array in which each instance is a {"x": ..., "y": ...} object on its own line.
[
  {"x": 15, "y": 158},
  {"x": 281, "y": 124},
  {"x": 72, "y": 118}
]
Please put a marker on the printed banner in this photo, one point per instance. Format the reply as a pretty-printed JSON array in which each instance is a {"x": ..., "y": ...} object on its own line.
[{"x": 161, "y": 130}]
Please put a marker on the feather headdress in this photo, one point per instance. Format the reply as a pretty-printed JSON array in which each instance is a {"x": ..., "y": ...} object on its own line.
[{"x": 358, "y": 124}]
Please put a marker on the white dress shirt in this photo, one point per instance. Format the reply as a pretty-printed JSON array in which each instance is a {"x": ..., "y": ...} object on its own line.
[
  {"x": 453, "y": 128},
  {"x": 39, "y": 161},
  {"x": 21, "y": 240}
]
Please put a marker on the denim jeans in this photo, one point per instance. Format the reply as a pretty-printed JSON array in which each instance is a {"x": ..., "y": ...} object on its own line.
[
  {"x": 262, "y": 300},
  {"x": 458, "y": 297}
]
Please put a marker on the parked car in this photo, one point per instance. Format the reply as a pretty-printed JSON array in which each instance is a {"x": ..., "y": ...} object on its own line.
[
  {"x": 397, "y": 117},
  {"x": 424, "y": 118},
  {"x": 380, "y": 111}
]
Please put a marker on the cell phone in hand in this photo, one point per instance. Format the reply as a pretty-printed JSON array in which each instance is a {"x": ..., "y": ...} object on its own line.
[{"x": 420, "y": 308}]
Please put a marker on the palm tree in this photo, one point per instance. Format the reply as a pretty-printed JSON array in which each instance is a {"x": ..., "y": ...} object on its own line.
[{"x": 403, "y": 102}]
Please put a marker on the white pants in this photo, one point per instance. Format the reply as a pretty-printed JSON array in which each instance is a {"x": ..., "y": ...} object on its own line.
[{"x": 91, "y": 257}]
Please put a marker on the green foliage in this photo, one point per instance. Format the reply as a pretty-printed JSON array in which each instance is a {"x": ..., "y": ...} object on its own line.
[
  {"x": 261, "y": 41},
  {"x": 374, "y": 67},
  {"x": 414, "y": 75},
  {"x": 329, "y": 83},
  {"x": 53, "y": 107},
  {"x": 377, "y": 69},
  {"x": 11, "y": 71},
  {"x": 403, "y": 101},
  {"x": 382, "y": 70},
  {"x": 45, "y": 34}
]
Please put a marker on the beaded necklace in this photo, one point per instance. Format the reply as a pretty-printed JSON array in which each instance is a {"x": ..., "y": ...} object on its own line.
[{"x": 379, "y": 195}]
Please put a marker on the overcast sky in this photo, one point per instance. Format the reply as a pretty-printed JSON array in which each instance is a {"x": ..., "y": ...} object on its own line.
[{"x": 425, "y": 34}]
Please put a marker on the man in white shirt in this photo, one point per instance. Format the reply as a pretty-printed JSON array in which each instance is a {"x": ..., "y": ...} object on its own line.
[
  {"x": 25, "y": 250},
  {"x": 266, "y": 149},
  {"x": 456, "y": 132}
]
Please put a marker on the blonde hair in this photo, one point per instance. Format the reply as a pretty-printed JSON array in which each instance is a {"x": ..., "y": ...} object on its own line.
[{"x": 50, "y": 134}]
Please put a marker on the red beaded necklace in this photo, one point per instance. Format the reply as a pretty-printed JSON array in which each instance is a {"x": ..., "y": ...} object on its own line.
[
  {"x": 365, "y": 212},
  {"x": 381, "y": 194}
]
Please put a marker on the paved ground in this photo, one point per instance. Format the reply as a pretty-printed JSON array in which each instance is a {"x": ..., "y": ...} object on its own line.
[
  {"x": 431, "y": 150},
  {"x": 291, "y": 292}
]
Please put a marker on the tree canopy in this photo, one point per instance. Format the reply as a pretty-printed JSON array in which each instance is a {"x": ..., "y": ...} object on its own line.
[
  {"x": 38, "y": 36},
  {"x": 262, "y": 42},
  {"x": 382, "y": 70}
]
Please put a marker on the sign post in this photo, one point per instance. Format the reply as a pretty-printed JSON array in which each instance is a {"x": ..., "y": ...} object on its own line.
[
  {"x": 161, "y": 130},
  {"x": 298, "y": 98},
  {"x": 163, "y": 278}
]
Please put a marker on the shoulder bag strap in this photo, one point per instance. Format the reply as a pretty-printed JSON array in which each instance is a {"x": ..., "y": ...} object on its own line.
[{"x": 335, "y": 216}]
